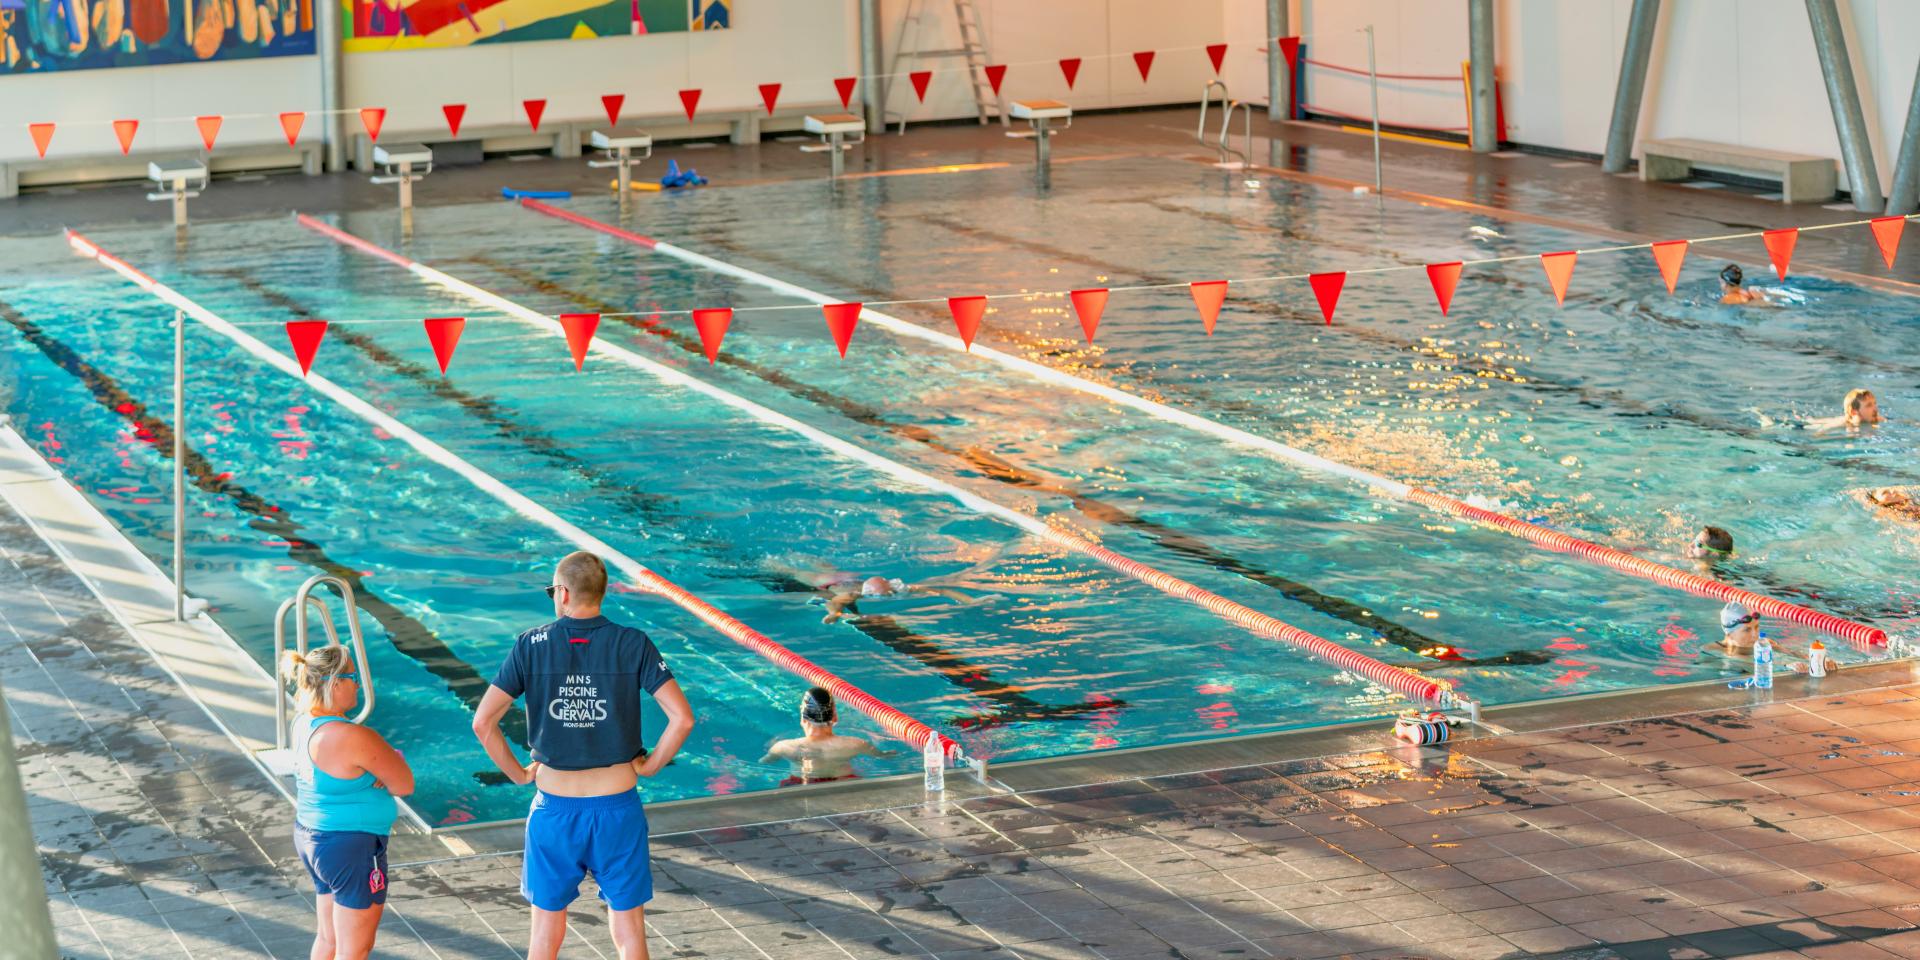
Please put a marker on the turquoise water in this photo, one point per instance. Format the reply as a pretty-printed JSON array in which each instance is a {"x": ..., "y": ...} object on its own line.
[{"x": 1628, "y": 416}]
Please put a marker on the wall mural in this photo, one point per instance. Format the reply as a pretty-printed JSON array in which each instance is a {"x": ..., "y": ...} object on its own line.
[
  {"x": 372, "y": 25},
  {"x": 39, "y": 36}
]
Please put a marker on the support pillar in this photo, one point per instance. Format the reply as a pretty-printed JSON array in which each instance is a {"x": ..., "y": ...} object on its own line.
[
  {"x": 1279, "y": 80},
  {"x": 870, "y": 66},
  {"x": 1632, "y": 87},
  {"x": 333, "y": 123},
  {"x": 1486, "y": 126},
  {"x": 1905, "y": 198},
  {"x": 1849, "y": 121}
]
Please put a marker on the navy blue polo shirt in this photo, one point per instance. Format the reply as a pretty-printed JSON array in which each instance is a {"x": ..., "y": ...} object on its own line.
[{"x": 582, "y": 680}]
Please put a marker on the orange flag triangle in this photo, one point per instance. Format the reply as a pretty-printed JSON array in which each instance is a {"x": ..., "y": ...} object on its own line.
[
  {"x": 1780, "y": 248},
  {"x": 123, "y": 130},
  {"x": 967, "y": 312},
  {"x": 42, "y": 134},
  {"x": 1669, "y": 254},
  {"x": 1088, "y": 304},
  {"x": 290, "y": 124},
  {"x": 841, "y": 319},
  {"x": 712, "y": 324},
  {"x": 1444, "y": 277},
  {"x": 372, "y": 118},
  {"x": 579, "y": 328},
  {"x": 305, "y": 337},
  {"x": 444, "y": 334},
  {"x": 1326, "y": 289},
  {"x": 1559, "y": 267},
  {"x": 1208, "y": 295},
  {"x": 1886, "y": 233},
  {"x": 209, "y": 129}
]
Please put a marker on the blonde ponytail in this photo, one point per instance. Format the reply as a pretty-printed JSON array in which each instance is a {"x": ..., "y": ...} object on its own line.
[{"x": 313, "y": 674}]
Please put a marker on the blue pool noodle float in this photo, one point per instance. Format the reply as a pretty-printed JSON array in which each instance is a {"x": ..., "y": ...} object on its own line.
[{"x": 512, "y": 194}]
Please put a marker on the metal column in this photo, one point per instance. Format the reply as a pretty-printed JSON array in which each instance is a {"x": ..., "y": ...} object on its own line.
[
  {"x": 179, "y": 466},
  {"x": 1486, "y": 126},
  {"x": 332, "y": 120},
  {"x": 1279, "y": 81},
  {"x": 1906, "y": 170},
  {"x": 1632, "y": 86},
  {"x": 23, "y": 896},
  {"x": 1848, "y": 119},
  {"x": 870, "y": 66}
]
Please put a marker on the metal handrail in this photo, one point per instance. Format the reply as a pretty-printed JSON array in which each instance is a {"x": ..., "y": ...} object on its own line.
[
  {"x": 300, "y": 601},
  {"x": 1226, "y": 124},
  {"x": 1206, "y": 99}
]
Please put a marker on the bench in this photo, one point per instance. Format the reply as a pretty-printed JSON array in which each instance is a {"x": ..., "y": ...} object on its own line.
[
  {"x": 1803, "y": 178},
  {"x": 64, "y": 167}
]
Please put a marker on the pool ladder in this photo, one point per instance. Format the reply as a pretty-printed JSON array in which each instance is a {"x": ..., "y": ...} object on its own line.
[
  {"x": 302, "y": 599},
  {"x": 1228, "y": 106}
]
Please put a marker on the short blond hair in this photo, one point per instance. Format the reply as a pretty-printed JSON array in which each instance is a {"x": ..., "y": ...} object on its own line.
[
  {"x": 583, "y": 574},
  {"x": 313, "y": 673}
]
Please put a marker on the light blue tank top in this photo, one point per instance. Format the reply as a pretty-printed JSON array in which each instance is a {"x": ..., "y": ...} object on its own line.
[{"x": 327, "y": 802}]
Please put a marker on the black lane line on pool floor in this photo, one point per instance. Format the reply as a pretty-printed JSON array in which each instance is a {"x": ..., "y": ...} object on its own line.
[
  {"x": 1013, "y": 705},
  {"x": 996, "y": 469},
  {"x": 410, "y": 637}
]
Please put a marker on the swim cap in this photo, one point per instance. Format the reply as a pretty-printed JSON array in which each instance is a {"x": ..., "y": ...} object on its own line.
[
  {"x": 1735, "y": 615},
  {"x": 817, "y": 706},
  {"x": 880, "y": 587},
  {"x": 1732, "y": 275}
]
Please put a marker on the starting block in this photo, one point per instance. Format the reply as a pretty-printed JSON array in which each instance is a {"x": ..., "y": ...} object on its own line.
[
  {"x": 178, "y": 179},
  {"x": 620, "y": 150},
  {"x": 833, "y": 127},
  {"x": 399, "y": 160},
  {"x": 1040, "y": 114}
]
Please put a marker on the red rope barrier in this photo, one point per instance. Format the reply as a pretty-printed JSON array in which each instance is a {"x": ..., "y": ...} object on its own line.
[{"x": 1454, "y": 78}]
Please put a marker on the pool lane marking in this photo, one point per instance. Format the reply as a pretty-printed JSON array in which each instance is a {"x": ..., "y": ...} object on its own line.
[
  {"x": 889, "y": 718},
  {"x": 1261, "y": 624},
  {"x": 1544, "y": 537}
]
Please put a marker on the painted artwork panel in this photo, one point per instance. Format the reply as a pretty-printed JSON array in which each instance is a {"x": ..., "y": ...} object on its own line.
[
  {"x": 376, "y": 25},
  {"x": 44, "y": 36}
]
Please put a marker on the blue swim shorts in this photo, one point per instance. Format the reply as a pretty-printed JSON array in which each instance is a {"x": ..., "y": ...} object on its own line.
[
  {"x": 348, "y": 864},
  {"x": 570, "y": 837}
]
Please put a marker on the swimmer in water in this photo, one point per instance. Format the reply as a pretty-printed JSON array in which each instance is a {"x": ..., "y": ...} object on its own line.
[
  {"x": 1860, "y": 409},
  {"x": 1741, "y": 627},
  {"x": 1710, "y": 544},
  {"x": 819, "y": 754},
  {"x": 1734, "y": 292},
  {"x": 1892, "y": 503},
  {"x": 843, "y": 591}
]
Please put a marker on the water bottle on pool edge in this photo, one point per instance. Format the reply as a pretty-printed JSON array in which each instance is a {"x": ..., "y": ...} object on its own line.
[
  {"x": 1816, "y": 659},
  {"x": 935, "y": 757},
  {"x": 1763, "y": 663}
]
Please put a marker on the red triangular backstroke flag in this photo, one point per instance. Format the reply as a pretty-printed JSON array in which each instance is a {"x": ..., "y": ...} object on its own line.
[
  {"x": 1208, "y": 295},
  {"x": 996, "y": 72},
  {"x": 305, "y": 336},
  {"x": 535, "y": 109},
  {"x": 1669, "y": 254},
  {"x": 1216, "y": 52},
  {"x": 1780, "y": 248},
  {"x": 1326, "y": 289},
  {"x": 42, "y": 134},
  {"x": 1290, "y": 48},
  {"x": 372, "y": 118},
  {"x": 844, "y": 86},
  {"x": 613, "y": 102},
  {"x": 691, "y": 100},
  {"x": 1559, "y": 267},
  {"x": 1087, "y": 304},
  {"x": 123, "y": 130},
  {"x": 769, "y": 95},
  {"x": 454, "y": 112},
  {"x": 1444, "y": 277},
  {"x": 579, "y": 328},
  {"x": 1886, "y": 233},
  {"x": 290, "y": 124},
  {"x": 209, "y": 129},
  {"x": 444, "y": 334},
  {"x": 1144, "y": 61},
  {"x": 967, "y": 312},
  {"x": 920, "y": 80},
  {"x": 841, "y": 319},
  {"x": 1070, "y": 68},
  {"x": 712, "y": 324}
]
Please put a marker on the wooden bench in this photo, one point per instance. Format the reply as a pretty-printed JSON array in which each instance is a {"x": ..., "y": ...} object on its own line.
[{"x": 1803, "y": 178}]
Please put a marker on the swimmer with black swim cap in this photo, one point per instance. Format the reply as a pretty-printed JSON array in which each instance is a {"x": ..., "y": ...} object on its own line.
[
  {"x": 819, "y": 754},
  {"x": 1733, "y": 291}
]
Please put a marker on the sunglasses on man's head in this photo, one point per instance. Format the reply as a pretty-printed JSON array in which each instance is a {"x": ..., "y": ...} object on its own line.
[{"x": 551, "y": 589}]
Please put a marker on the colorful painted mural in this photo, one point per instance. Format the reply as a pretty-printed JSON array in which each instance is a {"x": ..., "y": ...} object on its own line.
[
  {"x": 373, "y": 25},
  {"x": 38, "y": 36}
]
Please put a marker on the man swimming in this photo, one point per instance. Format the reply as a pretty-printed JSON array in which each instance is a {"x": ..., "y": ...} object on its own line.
[
  {"x": 1733, "y": 290},
  {"x": 819, "y": 754},
  {"x": 1892, "y": 503},
  {"x": 843, "y": 591},
  {"x": 1711, "y": 543},
  {"x": 1860, "y": 409}
]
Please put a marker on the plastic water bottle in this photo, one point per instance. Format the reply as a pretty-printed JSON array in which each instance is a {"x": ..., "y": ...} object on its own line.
[
  {"x": 1816, "y": 659},
  {"x": 1763, "y": 663},
  {"x": 935, "y": 756}
]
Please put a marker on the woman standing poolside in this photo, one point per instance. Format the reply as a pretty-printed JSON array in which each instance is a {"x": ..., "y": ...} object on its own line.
[{"x": 348, "y": 776}]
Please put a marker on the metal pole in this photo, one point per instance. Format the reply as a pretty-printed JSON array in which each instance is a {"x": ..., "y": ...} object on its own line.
[
  {"x": 1849, "y": 121},
  {"x": 333, "y": 123},
  {"x": 1373, "y": 81},
  {"x": 1279, "y": 81},
  {"x": 179, "y": 466},
  {"x": 1632, "y": 86},
  {"x": 23, "y": 896},
  {"x": 1480, "y": 97},
  {"x": 1906, "y": 170},
  {"x": 870, "y": 66}
]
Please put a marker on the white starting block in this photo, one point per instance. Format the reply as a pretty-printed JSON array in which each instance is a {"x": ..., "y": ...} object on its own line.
[
  {"x": 178, "y": 179},
  {"x": 399, "y": 160},
  {"x": 1040, "y": 114},
  {"x": 834, "y": 127},
  {"x": 620, "y": 153}
]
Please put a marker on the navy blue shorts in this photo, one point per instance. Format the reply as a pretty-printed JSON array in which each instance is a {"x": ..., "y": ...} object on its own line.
[
  {"x": 570, "y": 837},
  {"x": 348, "y": 864}
]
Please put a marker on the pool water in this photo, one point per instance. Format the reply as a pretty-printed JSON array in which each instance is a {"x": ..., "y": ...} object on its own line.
[{"x": 1627, "y": 416}]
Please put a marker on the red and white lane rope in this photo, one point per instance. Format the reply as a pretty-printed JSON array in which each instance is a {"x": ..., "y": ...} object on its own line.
[
  {"x": 1552, "y": 539},
  {"x": 887, "y": 717},
  {"x": 1402, "y": 681}
]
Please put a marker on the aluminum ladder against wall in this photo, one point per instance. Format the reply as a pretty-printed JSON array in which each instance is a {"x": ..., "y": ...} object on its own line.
[{"x": 972, "y": 49}]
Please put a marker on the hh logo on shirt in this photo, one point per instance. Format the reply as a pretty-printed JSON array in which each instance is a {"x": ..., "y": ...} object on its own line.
[{"x": 577, "y": 702}]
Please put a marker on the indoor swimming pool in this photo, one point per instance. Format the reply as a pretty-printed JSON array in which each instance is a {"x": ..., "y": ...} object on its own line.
[{"x": 1628, "y": 416}]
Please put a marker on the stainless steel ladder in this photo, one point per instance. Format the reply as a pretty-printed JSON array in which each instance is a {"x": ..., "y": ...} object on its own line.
[
  {"x": 972, "y": 48},
  {"x": 298, "y": 603},
  {"x": 1226, "y": 121}
]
